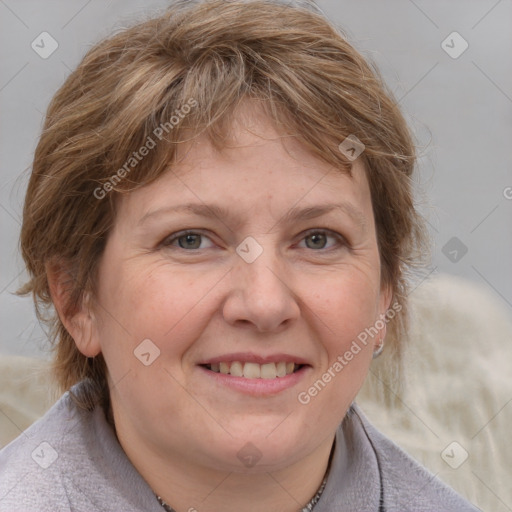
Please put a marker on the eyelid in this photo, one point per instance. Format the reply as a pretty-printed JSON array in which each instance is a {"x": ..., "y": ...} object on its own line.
[
  {"x": 170, "y": 239},
  {"x": 328, "y": 232}
]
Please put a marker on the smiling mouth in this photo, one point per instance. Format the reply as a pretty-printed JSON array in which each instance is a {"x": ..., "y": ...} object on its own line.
[{"x": 254, "y": 370}]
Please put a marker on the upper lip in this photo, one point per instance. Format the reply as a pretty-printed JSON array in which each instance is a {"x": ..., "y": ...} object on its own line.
[{"x": 248, "y": 357}]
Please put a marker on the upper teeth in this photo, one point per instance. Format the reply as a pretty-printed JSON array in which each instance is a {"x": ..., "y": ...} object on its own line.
[{"x": 254, "y": 370}]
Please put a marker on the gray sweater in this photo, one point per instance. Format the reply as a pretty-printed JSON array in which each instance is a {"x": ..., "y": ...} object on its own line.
[{"x": 70, "y": 460}]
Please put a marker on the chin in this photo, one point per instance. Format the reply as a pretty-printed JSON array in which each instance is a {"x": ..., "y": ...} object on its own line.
[{"x": 260, "y": 448}]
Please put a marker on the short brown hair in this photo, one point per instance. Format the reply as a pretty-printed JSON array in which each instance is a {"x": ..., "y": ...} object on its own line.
[{"x": 307, "y": 77}]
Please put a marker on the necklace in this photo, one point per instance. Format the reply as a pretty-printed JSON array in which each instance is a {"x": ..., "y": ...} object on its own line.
[{"x": 308, "y": 508}]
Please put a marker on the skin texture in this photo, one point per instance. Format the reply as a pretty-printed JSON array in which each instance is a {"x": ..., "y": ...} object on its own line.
[{"x": 302, "y": 296}]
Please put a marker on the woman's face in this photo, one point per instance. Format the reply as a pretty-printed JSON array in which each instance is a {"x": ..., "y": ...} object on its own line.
[{"x": 260, "y": 260}]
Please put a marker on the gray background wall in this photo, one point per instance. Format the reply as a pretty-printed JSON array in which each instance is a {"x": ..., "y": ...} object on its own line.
[{"x": 460, "y": 108}]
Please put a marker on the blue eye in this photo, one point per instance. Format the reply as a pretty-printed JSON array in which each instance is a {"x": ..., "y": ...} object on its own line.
[
  {"x": 188, "y": 240},
  {"x": 319, "y": 239}
]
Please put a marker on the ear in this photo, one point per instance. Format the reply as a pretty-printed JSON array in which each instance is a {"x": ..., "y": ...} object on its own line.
[
  {"x": 80, "y": 320},
  {"x": 386, "y": 295}
]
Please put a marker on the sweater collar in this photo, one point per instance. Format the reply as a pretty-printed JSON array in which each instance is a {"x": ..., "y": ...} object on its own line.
[{"x": 354, "y": 481}]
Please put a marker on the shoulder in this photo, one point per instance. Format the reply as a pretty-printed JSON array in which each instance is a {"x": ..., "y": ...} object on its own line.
[
  {"x": 70, "y": 460},
  {"x": 28, "y": 465},
  {"x": 405, "y": 484}
]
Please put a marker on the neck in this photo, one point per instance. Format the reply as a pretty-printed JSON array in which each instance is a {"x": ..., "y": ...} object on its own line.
[{"x": 188, "y": 487}]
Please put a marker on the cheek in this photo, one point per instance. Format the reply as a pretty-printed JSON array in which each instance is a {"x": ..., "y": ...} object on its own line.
[
  {"x": 163, "y": 305},
  {"x": 346, "y": 307},
  {"x": 342, "y": 312},
  {"x": 346, "y": 310}
]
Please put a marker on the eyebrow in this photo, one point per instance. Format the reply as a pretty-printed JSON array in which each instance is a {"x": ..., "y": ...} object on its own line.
[
  {"x": 294, "y": 214},
  {"x": 312, "y": 212}
]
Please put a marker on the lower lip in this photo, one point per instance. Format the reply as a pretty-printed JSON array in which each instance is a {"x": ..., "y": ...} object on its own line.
[{"x": 258, "y": 387}]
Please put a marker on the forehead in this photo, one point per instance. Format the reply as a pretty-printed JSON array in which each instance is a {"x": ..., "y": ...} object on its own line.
[{"x": 257, "y": 170}]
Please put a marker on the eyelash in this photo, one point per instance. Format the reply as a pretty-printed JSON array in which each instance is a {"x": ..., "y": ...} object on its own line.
[
  {"x": 339, "y": 241},
  {"x": 167, "y": 242},
  {"x": 342, "y": 242}
]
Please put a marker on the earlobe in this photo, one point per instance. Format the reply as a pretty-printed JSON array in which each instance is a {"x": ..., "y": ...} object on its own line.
[
  {"x": 83, "y": 328},
  {"x": 79, "y": 320}
]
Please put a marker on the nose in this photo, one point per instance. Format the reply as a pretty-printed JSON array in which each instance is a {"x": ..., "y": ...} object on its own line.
[{"x": 260, "y": 295}]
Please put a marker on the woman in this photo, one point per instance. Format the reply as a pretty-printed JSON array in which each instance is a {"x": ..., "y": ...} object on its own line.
[{"x": 220, "y": 212}]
